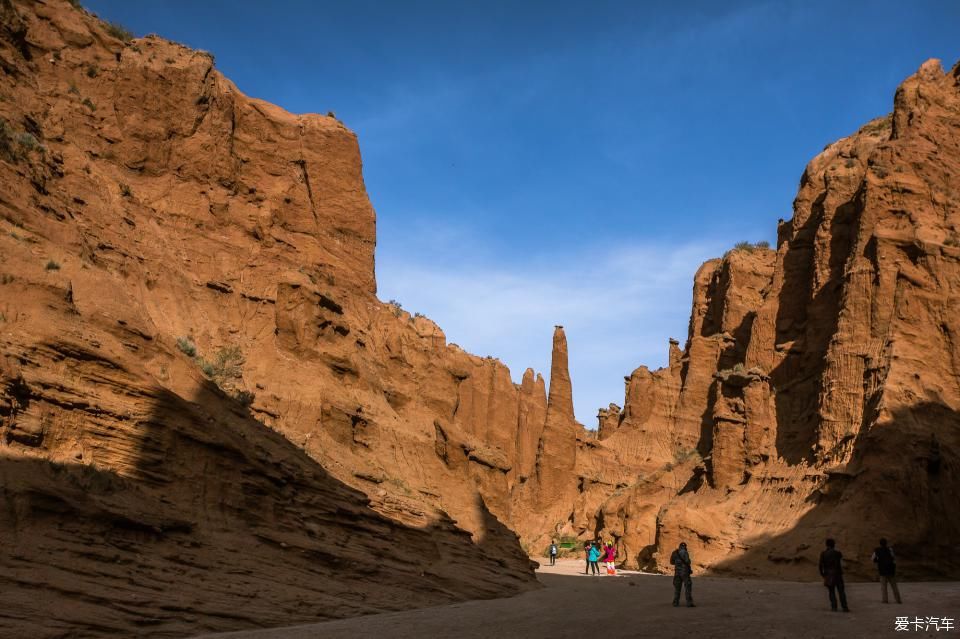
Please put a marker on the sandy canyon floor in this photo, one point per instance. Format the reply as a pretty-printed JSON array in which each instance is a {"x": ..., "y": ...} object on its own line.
[{"x": 638, "y": 605}]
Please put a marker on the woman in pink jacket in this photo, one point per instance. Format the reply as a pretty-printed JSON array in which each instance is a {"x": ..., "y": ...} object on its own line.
[{"x": 610, "y": 556}]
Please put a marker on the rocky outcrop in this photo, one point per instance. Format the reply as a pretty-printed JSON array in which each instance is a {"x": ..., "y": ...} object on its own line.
[{"x": 817, "y": 393}]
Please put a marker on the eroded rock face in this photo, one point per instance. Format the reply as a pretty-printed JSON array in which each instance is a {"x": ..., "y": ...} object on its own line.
[
  {"x": 207, "y": 419},
  {"x": 817, "y": 393}
]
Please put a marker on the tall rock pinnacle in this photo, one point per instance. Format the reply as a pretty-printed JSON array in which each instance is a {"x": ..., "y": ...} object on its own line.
[
  {"x": 560, "y": 400},
  {"x": 558, "y": 446}
]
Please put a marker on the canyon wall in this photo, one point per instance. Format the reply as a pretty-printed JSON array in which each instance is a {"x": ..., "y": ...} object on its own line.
[
  {"x": 818, "y": 391},
  {"x": 207, "y": 419}
]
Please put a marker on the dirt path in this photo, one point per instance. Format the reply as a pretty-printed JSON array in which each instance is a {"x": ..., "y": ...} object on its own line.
[{"x": 638, "y": 605}]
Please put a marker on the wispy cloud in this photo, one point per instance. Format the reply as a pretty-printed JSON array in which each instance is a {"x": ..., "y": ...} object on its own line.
[{"x": 619, "y": 303}]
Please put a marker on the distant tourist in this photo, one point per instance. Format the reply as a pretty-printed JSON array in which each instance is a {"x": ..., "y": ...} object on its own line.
[
  {"x": 594, "y": 558},
  {"x": 682, "y": 571},
  {"x": 887, "y": 567},
  {"x": 586, "y": 553},
  {"x": 831, "y": 569},
  {"x": 610, "y": 556},
  {"x": 553, "y": 552}
]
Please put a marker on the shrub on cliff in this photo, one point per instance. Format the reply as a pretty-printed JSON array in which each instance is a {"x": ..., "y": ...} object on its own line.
[
  {"x": 17, "y": 146},
  {"x": 119, "y": 32},
  {"x": 749, "y": 247},
  {"x": 224, "y": 370},
  {"x": 245, "y": 397},
  {"x": 226, "y": 366},
  {"x": 186, "y": 346}
]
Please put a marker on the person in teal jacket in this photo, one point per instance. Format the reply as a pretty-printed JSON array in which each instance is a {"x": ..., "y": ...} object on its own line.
[{"x": 593, "y": 556}]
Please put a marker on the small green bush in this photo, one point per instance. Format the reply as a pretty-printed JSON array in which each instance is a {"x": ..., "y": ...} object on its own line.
[
  {"x": 227, "y": 365},
  {"x": 748, "y": 247},
  {"x": 125, "y": 190},
  {"x": 119, "y": 32},
  {"x": 87, "y": 102},
  {"x": 93, "y": 71},
  {"x": 28, "y": 142},
  {"x": 186, "y": 346},
  {"x": 52, "y": 266},
  {"x": 245, "y": 397}
]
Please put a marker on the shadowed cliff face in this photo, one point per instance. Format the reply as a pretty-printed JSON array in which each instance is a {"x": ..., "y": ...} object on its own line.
[{"x": 140, "y": 498}]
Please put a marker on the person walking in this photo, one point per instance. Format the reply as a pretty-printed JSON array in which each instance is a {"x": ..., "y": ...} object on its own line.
[
  {"x": 831, "y": 569},
  {"x": 610, "y": 556},
  {"x": 586, "y": 553},
  {"x": 887, "y": 567},
  {"x": 594, "y": 557},
  {"x": 553, "y": 552},
  {"x": 682, "y": 571}
]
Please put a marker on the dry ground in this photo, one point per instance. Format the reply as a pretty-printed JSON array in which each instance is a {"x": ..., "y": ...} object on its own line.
[{"x": 638, "y": 605}]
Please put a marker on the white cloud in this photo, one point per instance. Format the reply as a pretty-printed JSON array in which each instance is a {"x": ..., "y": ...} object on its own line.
[{"x": 618, "y": 303}]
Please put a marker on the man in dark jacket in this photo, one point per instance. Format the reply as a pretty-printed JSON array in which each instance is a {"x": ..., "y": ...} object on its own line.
[
  {"x": 831, "y": 569},
  {"x": 682, "y": 569},
  {"x": 887, "y": 567}
]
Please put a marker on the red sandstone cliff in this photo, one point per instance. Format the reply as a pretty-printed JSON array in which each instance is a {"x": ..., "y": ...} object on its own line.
[
  {"x": 817, "y": 394},
  {"x": 207, "y": 419}
]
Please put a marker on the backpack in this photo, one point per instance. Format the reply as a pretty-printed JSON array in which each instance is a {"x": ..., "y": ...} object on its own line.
[{"x": 886, "y": 565}]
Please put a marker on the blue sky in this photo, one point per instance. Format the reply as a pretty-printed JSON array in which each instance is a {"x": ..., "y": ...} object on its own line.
[{"x": 539, "y": 163}]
